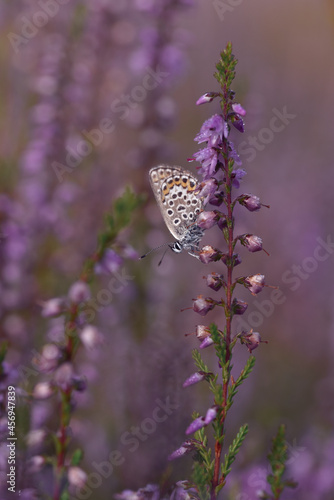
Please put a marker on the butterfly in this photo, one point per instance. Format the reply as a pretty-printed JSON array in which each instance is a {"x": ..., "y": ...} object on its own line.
[{"x": 174, "y": 190}]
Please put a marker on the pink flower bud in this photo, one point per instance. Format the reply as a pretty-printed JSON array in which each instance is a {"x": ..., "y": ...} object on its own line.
[
  {"x": 52, "y": 307},
  {"x": 79, "y": 292},
  {"x": 206, "y": 342},
  {"x": 76, "y": 477},
  {"x": 208, "y": 97},
  {"x": 209, "y": 254},
  {"x": 194, "y": 379},
  {"x": 251, "y": 242},
  {"x": 215, "y": 281},
  {"x": 195, "y": 425},
  {"x": 49, "y": 358},
  {"x": 211, "y": 414},
  {"x": 237, "y": 108},
  {"x": 90, "y": 337},
  {"x": 203, "y": 306},
  {"x": 186, "y": 447},
  {"x": 206, "y": 220},
  {"x": 255, "y": 283},
  {"x": 35, "y": 437},
  {"x": 42, "y": 390},
  {"x": 217, "y": 199},
  {"x": 251, "y": 202},
  {"x": 63, "y": 376},
  {"x": 239, "y": 306},
  {"x": 251, "y": 340},
  {"x": 202, "y": 332}
]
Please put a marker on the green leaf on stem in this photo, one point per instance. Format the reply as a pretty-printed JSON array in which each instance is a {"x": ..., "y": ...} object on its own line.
[
  {"x": 77, "y": 457},
  {"x": 232, "y": 453},
  {"x": 201, "y": 480},
  {"x": 232, "y": 390},
  {"x": 199, "y": 362},
  {"x": 277, "y": 459}
]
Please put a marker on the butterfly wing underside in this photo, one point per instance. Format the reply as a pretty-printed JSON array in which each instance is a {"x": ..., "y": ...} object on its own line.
[{"x": 174, "y": 190}]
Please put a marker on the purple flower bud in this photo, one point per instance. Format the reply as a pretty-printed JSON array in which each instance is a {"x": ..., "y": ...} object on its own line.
[
  {"x": 239, "y": 306},
  {"x": 251, "y": 242},
  {"x": 195, "y": 425},
  {"x": 35, "y": 437},
  {"x": 79, "y": 292},
  {"x": 202, "y": 332},
  {"x": 49, "y": 358},
  {"x": 90, "y": 337},
  {"x": 217, "y": 199},
  {"x": 79, "y": 383},
  {"x": 52, "y": 307},
  {"x": 42, "y": 390},
  {"x": 110, "y": 262},
  {"x": 222, "y": 223},
  {"x": 211, "y": 414},
  {"x": 206, "y": 220},
  {"x": 208, "y": 97},
  {"x": 76, "y": 477},
  {"x": 194, "y": 378},
  {"x": 251, "y": 340},
  {"x": 234, "y": 155},
  {"x": 237, "y": 175},
  {"x": 209, "y": 254},
  {"x": 238, "y": 123},
  {"x": 251, "y": 202},
  {"x": 206, "y": 342},
  {"x": 185, "y": 448},
  {"x": 255, "y": 283},
  {"x": 215, "y": 281},
  {"x": 237, "y": 108},
  {"x": 63, "y": 377},
  {"x": 203, "y": 306}
]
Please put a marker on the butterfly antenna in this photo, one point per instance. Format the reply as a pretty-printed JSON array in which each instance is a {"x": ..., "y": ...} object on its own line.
[
  {"x": 162, "y": 256},
  {"x": 153, "y": 250}
]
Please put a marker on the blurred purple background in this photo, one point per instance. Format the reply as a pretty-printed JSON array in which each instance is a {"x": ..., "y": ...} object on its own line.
[{"x": 72, "y": 75}]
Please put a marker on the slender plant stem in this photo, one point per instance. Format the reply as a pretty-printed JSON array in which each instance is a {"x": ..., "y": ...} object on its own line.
[{"x": 228, "y": 309}]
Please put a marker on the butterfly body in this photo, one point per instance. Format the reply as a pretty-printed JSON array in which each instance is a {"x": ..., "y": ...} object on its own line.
[{"x": 174, "y": 190}]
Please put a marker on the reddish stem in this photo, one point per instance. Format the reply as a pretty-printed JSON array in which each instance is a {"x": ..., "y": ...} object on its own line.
[{"x": 218, "y": 446}]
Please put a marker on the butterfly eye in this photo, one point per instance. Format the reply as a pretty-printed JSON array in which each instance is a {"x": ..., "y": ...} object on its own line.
[{"x": 177, "y": 247}]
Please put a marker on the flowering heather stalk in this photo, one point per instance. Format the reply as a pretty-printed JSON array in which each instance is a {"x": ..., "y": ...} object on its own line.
[
  {"x": 56, "y": 360},
  {"x": 220, "y": 179}
]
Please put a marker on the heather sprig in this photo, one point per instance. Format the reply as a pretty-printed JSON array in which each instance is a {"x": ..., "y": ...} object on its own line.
[
  {"x": 221, "y": 177},
  {"x": 277, "y": 459},
  {"x": 57, "y": 360}
]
